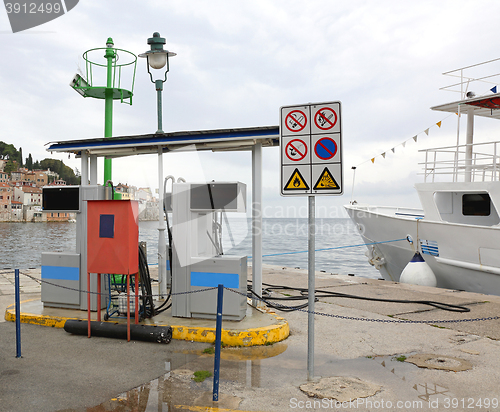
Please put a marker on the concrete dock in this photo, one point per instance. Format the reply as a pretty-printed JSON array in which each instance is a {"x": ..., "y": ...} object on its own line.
[{"x": 365, "y": 359}]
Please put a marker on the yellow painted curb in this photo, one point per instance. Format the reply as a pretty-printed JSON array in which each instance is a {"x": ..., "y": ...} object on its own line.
[
  {"x": 205, "y": 409},
  {"x": 250, "y": 337},
  {"x": 30, "y": 318}
]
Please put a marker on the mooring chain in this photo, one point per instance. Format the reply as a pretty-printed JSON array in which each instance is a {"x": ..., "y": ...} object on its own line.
[{"x": 367, "y": 319}]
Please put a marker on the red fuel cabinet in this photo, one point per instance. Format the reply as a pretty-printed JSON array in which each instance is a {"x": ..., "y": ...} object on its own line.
[{"x": 112, "y": 245}]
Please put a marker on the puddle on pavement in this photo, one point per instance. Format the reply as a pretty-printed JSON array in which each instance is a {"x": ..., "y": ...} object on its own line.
[{"x": 253, "y": 367}]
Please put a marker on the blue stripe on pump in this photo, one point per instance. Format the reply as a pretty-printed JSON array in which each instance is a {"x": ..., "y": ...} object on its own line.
[
  {"x": 213, "y": 279},
  {"x": 60, "y": 272}
]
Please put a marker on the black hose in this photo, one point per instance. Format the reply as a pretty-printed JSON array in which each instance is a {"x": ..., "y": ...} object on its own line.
[{"x": 328, "y": 294}]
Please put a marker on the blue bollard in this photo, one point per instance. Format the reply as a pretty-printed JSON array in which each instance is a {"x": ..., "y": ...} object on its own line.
[
  {"x": 218, "y": 335},
  {"x": 18, "y": 315}
]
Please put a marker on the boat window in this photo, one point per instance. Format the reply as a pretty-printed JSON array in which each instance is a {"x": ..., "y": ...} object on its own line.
[{"x": 476, "y": 204}]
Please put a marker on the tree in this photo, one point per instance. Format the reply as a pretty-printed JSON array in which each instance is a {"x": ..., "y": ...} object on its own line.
[
  {"x": 10, "y": 166},
  {"x": 64, "y": 172},
  {"x": 29, "y": 162}
]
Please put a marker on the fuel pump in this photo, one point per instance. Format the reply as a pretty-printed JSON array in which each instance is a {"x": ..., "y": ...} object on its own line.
[{"x": 198, "y": 261}]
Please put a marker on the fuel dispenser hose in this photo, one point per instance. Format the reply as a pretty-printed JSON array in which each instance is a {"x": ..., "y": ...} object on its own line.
[{"x": 329, "y": 294}]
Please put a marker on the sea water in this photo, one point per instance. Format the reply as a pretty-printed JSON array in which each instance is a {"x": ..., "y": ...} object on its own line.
[{"x": 285, "y": 243}]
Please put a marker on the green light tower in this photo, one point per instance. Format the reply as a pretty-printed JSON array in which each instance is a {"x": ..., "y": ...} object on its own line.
[{"x": 112, "y": 72}]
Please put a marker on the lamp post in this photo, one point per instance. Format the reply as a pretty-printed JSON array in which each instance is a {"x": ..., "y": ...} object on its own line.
[{"x": 157, "y": 58}]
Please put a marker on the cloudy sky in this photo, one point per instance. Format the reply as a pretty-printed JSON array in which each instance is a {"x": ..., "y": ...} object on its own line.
[{"x": 237, "y": 62}]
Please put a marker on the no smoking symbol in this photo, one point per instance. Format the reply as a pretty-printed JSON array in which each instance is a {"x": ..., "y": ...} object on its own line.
[
  {"x": 296, "y": 150},
  {"x": 325, "y": 118},
  {"x": 295, "y": 121}
]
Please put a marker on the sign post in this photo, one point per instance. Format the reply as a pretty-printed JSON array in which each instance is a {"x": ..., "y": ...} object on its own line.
[{"x": 311, "y": 165}]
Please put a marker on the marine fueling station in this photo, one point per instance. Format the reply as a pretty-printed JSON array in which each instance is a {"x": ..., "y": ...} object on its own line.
[{"x": 108, "y": 270}]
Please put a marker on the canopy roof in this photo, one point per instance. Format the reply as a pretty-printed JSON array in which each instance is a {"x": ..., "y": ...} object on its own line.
[
  {"x": 486, "y": 106},
  {"x": 215, "y": 140}
]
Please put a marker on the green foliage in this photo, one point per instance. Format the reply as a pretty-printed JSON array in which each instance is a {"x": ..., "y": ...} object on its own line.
[
  {"x": 65, "y": 172},
  {"x": 401, "y": 358},
  {"x": 200, "y": 376},
  {"x": 15, "y": 160},
  {"x": 209, "y": 350},
  {"x": 8, "y": 151},
  {"x": 29, "y": 162},
  {"x": 10, "y": 166}
]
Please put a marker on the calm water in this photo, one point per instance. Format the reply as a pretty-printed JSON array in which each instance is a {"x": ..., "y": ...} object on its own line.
[{"x": 21, "y": 244}]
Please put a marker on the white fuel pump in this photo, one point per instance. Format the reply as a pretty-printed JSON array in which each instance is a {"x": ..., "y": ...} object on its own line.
[{"x": 198, "y": 261}]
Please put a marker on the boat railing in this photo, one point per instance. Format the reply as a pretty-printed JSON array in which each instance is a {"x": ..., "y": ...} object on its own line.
[
  {"x": 481, "y": 75},
  {"x": 452, "y": 161}
]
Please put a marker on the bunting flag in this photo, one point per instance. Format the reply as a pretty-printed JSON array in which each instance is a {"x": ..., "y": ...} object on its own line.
[
  {"x": 426, "y": 131},
  {"x": 494, "y": 89}
]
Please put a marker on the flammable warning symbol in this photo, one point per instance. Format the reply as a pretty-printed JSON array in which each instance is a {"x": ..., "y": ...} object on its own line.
[
  {"x": 296, "y": 182},
  {"x": 326, "y": 181}
]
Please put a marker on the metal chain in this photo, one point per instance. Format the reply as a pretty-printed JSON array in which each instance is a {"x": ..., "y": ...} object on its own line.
[
  {"x": 286, "y": 307},
  {"x": 368, "y": 319},
  {"x": 40, "y": 281}
]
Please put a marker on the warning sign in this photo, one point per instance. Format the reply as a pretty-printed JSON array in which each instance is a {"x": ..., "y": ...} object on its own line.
[
  {"x": 296, "y": 121},
  {"x": 311, "y": 149},
  {"x": 325, "y": 118},
  {"x": 296, "y": 150},
  {"x": 326, "y": 181},
  {"x": 296, "y": 182}
]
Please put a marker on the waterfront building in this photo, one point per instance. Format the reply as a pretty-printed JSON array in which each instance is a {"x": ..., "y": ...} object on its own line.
[{"x": 5, "y": 202}]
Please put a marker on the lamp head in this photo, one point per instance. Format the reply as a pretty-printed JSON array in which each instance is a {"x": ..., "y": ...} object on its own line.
[{"x": 157, "y": 56}]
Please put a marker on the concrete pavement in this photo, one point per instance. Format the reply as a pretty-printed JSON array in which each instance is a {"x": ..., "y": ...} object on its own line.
[{"x": 59, "y": 371}]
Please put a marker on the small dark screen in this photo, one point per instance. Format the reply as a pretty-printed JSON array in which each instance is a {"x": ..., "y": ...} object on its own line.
[
  {"x": 107, "y": 226},
  {"x": 476, "y": 204},
  {"x": 216, "y": 196},
  {"x": 61, "y": 199}
]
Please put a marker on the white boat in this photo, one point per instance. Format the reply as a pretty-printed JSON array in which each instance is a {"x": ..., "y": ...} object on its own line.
[{"x": 457, "y": 230}]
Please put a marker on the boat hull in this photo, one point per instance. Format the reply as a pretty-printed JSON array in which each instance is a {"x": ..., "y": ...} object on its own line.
[{"x": 463, "y": 257}]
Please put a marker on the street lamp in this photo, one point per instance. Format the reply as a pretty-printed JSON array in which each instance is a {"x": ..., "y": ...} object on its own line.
[{"x": 157, "y": 58}]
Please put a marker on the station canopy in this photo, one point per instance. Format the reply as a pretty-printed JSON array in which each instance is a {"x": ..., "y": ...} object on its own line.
[{"x": 215, "y": 140}]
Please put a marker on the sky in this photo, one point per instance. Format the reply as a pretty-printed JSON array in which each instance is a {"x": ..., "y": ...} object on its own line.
[{"x": 237, "y": 63}]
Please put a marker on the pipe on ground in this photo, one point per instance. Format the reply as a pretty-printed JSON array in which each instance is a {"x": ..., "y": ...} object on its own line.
[{"x": 145, "y": 333}]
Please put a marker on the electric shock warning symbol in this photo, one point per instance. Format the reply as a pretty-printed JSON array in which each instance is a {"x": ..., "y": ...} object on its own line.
[
  {"x": 296, "y": 182},
  {"x": 296, "y": 121},
  {"x": 326, "y": 181}
]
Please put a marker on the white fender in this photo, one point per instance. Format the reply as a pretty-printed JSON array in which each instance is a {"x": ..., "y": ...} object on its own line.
[{"x": 418, "y": 272}]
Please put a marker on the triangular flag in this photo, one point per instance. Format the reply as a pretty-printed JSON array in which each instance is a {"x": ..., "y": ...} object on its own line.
[
  {"x": 415, "y": 138},
  {"x": 373, "y": 160},
  {"x": 426, "y": 132},
  {"x": 393, "y": 150},
  {"x": 494, "y": 89},
  {"x": 383, "y": 155},
  {"x": 404, "y": 144},
  {"x": 439, "y": 124}
]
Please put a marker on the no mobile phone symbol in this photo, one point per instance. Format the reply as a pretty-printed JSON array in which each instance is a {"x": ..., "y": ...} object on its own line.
[{"x": 25, "y": 14}]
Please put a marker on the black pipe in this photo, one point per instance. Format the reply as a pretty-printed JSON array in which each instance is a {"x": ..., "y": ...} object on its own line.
[{"x": 145, "y": 333}]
